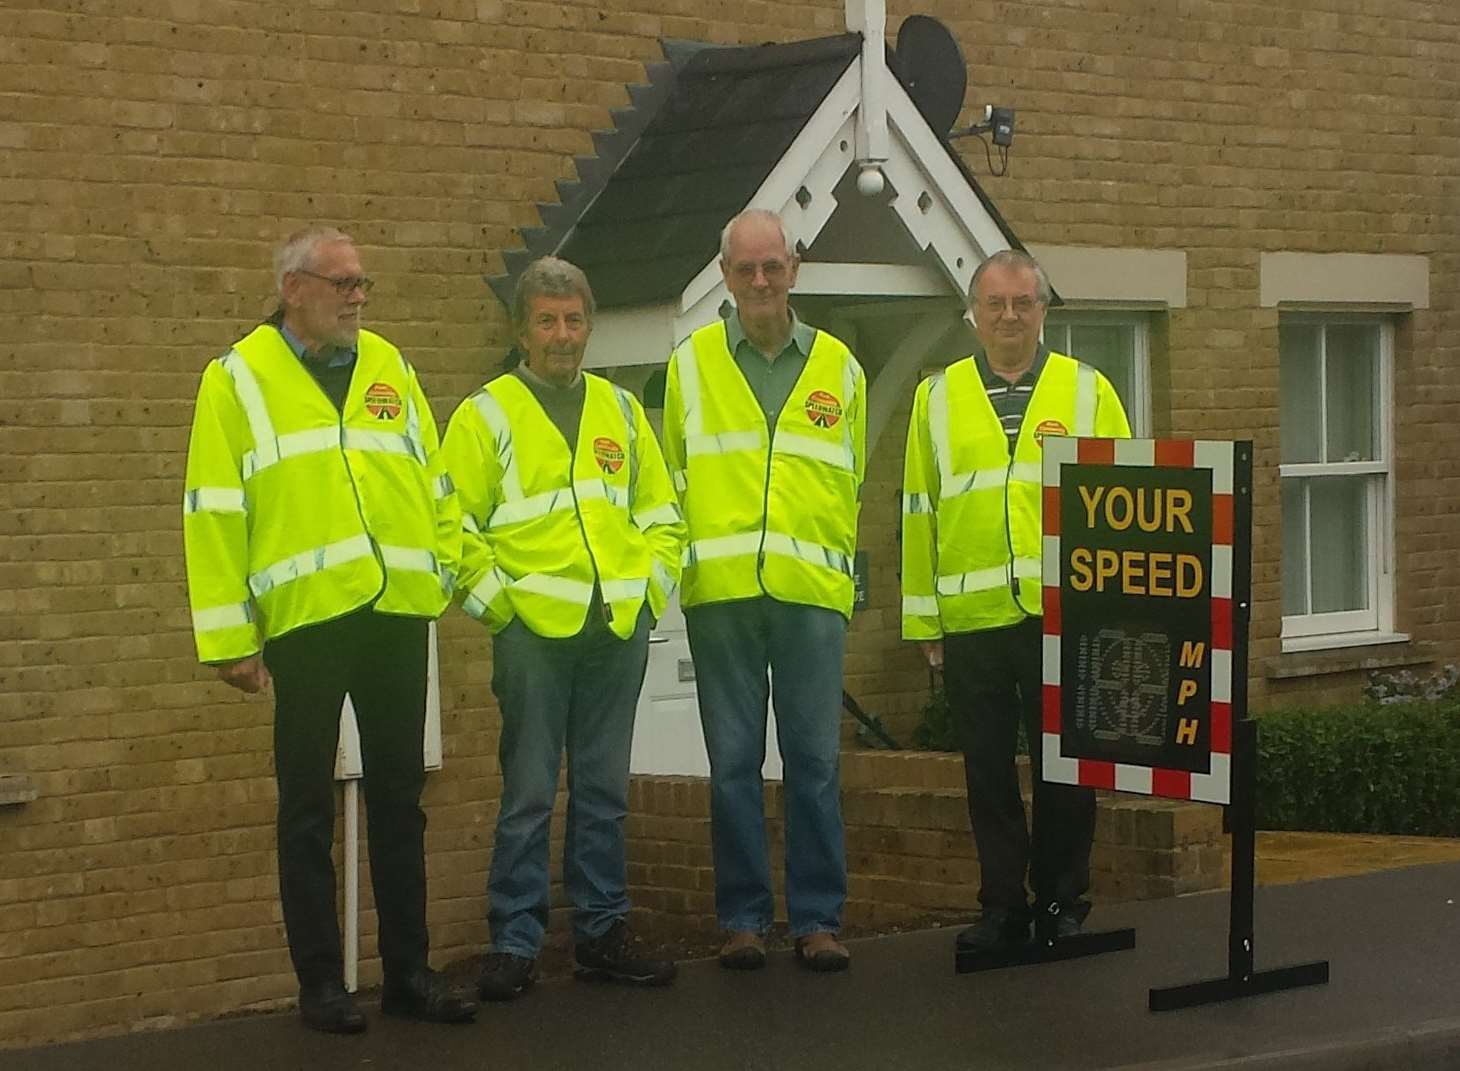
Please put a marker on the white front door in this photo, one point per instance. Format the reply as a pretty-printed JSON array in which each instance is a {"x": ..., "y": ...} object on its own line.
[{"x": 667, "y": 734}]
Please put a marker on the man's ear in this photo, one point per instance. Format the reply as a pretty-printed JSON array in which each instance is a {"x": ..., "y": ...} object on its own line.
[{"x": 289, "y": 291}]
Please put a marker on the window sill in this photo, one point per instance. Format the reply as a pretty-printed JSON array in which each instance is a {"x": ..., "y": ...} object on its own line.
[
  {"x": 16, "y": 789},
  {"x": 1335, "y": 640},
  {"x": 1315, "y": 656}
]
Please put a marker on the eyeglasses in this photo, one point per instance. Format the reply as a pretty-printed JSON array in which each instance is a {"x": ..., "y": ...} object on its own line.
[
  {"x": 773, "y": 270},
  {"x": 1022, "y": 305},
  {"x": 344, "y": 285}
]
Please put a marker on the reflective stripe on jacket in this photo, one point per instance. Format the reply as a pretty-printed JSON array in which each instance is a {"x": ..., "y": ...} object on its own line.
[
  {"x": 543, "y": 523},
  {"x": 296, "y": 512},
  {"x": 971, "y": 530},
  {"x": 772, "y": 514}
]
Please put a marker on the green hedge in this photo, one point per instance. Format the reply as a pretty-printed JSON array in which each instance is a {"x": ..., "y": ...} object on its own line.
[{"x": 1373, "y": 768}]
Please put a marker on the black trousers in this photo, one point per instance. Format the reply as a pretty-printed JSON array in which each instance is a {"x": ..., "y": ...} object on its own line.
[
  {"x": 993, "y": 679},
  {"x": 380, "y": 660}
]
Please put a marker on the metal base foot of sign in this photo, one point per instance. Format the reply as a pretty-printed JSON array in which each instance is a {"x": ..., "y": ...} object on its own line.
[
  {"x": 1242, "y": 979},
  {"x": 967, "y": 961},
  {"x": 1234, "y": 988}
]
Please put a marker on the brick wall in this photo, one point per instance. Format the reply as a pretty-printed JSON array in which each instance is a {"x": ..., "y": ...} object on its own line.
[
  {"x": 910, "y": 856},
  {"x": 149, "y": 161}
]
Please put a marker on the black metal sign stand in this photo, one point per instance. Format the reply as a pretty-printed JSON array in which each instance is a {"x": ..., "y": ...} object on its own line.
[{"x": 1241, "y": 979}]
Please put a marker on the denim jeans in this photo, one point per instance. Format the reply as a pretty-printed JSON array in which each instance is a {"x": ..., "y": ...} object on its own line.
[
  {"x": 739, "y": 648},
  {"x": 580, "y": 693}
]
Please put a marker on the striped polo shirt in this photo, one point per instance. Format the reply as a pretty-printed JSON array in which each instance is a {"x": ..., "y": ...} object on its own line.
[{"x": 1011, "y": 400}]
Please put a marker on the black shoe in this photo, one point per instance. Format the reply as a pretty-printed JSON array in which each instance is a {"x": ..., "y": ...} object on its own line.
[
  {"x": 427, "y": 996},
  {"x": 995, "y": 928},
  {"x": 328, "y": 1008},
  {"x": 1060, "y": 921},
  {"x": 617, "y": 957},
  {"x": 505, "y": 976}
]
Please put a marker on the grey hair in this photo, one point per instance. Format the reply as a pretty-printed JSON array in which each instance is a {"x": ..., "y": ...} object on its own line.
[
  {"x": 296, "y": 252},
  {"x": 756, "y": 213},
  {"x": 549, "y": 277},
  {"x": 1014, "y": 258}
]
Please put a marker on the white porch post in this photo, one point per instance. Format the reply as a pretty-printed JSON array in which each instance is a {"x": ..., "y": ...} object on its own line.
[{"x": 869, "y": 18}]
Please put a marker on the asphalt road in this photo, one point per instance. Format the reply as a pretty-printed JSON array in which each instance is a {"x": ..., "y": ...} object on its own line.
[{"x": 1393, "y": 940}]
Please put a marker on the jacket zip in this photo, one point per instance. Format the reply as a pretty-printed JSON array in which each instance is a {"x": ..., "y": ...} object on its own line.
[
  {"x": 345, "y": 457},
  {"x": 578, "y": 515},
  {"x": 770, "y": 453}
]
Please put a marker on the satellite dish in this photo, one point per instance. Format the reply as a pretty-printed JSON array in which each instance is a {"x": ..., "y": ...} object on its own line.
[{"x": 930, "y": 64}]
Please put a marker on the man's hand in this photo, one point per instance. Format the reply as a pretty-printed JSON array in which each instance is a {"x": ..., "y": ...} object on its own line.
[
  {"x": 247, "y": 674},
  {"x": 933, "y": 652}
]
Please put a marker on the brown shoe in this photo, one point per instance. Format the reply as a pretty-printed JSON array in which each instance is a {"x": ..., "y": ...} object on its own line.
[
  {"x": 745, "y": 951},
  {"x": 822, "y": 952}
]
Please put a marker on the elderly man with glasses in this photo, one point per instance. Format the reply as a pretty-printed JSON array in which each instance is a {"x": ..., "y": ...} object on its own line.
[
  {"x": 321, "y": 533},
  {"x": 971, "y": 554},
  {"x": 764, "y": 432}
]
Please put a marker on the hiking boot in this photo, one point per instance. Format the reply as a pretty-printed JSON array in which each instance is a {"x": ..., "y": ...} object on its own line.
[
  {"x": 505, "y": 976},
  {"x": 617, "y": 956}
]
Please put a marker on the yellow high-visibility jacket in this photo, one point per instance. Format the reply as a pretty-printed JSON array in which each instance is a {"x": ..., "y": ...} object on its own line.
[
  {"x": 768, "y": 514},
  {"x": 544, "y": 521},
  {"x": 971, "y": 530},
  {"x": 296, "y": 512}
]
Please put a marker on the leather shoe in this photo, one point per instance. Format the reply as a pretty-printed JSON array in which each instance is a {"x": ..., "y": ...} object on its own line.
[
  {"x": 822, "y": 952},
  {"x": 426, "y": 995},
  {"x": 745, "y": 951},
  {"x": 329, "y": 1009},
  {"x": 997, "y": 928}
]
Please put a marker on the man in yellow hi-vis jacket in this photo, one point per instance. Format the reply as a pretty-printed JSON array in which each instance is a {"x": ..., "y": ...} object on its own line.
[
  {"x": 765, "y": 434},
  {"x": 571, "y": 548},
  {"x": 321, "y": 534},
  {"x": 971, "y": 555}
]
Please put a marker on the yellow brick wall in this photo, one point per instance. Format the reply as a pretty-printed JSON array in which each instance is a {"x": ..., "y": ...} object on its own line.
[{"x": 150, "y": 155}]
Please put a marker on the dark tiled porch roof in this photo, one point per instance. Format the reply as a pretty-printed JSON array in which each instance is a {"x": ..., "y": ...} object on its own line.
[{"x": 698, "y": 141}]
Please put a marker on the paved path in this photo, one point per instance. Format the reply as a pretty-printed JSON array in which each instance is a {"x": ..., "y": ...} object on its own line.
[{"x": 1394, "y": 1002}]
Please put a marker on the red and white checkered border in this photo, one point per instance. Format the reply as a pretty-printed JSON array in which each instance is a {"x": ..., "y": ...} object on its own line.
[{"x": 1213, "y": 787}]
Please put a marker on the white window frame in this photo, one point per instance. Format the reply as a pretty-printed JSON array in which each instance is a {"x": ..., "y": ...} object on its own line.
[
  {"x": 1138, "y": 409},
  {"x": 1347, "y": 628}
]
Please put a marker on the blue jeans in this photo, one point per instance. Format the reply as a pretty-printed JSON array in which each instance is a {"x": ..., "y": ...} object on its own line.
[
  {"x": 580, "y": 692},
  {"x": 738, "y": 648}
]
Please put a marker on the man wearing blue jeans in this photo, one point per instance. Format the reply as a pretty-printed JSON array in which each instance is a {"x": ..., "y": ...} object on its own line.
[
  {"x": 764, "y": 433},
  {"x": 571, "y": 546}
]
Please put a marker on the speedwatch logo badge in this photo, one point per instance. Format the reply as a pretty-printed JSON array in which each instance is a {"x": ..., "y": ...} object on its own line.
[
  {"x": 1049, "y": 427},
  {"x": 823, "y": 409},
  {"x": 608, "y": 454},
  {"x": 382, "y": 401}
]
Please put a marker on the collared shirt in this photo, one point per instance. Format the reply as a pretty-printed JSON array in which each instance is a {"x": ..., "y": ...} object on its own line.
[
  {"x": 770, "y": 378},
  {"x": 331, "y": 367},
  {"x": 1011, "y": 400}
]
